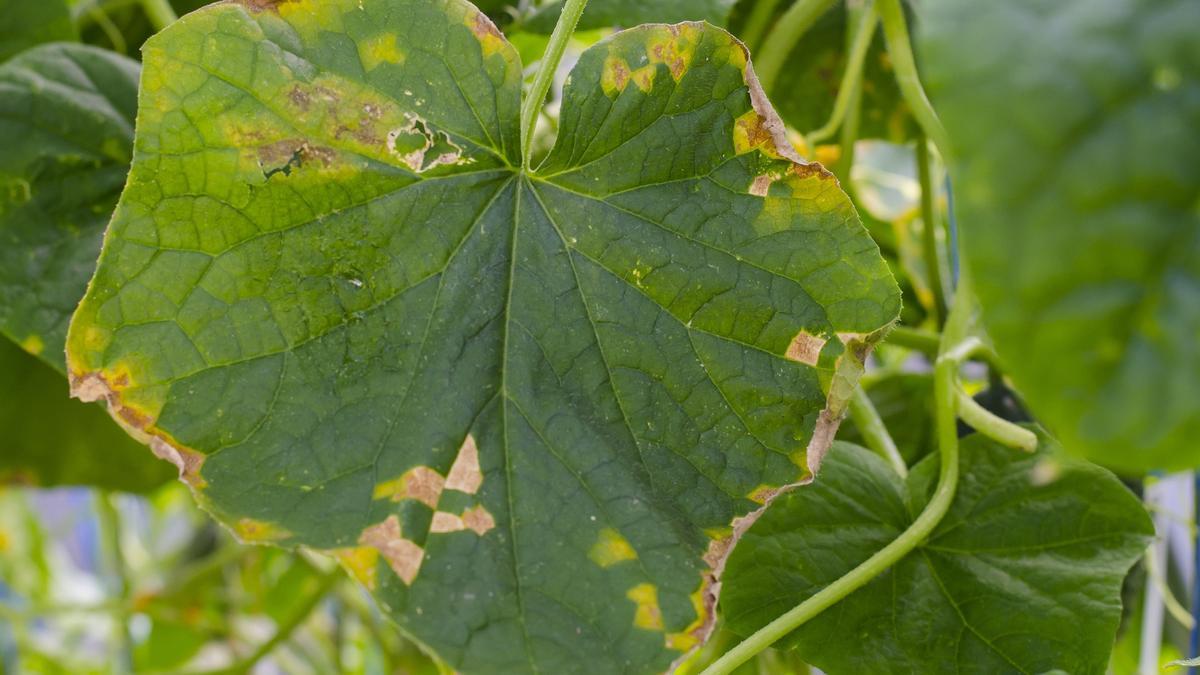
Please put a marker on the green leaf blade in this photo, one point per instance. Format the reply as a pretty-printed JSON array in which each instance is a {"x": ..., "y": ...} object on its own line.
[
  {"x": 1094, "y": 309},
  {"x": 28, "y": 24},
  {"x": 1024, "y": 572},
  {"x": 453, "y": 373}
]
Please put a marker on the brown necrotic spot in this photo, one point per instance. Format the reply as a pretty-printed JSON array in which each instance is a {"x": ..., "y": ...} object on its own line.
[
  {"x": 805, "y": 348},
  {"x": 403, "y": 556},
  {"x": 614, "y": 76},
  {"x": 465, "y": 475},
  {"x": 261, "y": 5},
  {"x": 420, "y": 483},
  {"x": 93, "y": 387}
]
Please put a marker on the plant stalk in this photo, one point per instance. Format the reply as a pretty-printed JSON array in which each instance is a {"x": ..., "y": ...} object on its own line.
[
  {"x": 996, "y": 428},
  {"x": 782, "y": 40},
  {"x": 852, "y": 78},
  {"x": 929, "y": 231},
  {"x": 572, "y": 10},
  {"x": 899, "y": 46},
  {"x": 160, "y": 13},
  {"x": 108, "y": 522},
  {"x": 756, "y": 25},
  {"x": 874, "y": 431}
]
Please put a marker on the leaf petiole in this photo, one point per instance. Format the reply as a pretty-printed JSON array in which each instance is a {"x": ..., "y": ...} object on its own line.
[
  {"x": 851, "y": 78},
  {"x": 874, "y": 431},
  {"x": 160, "y": 13},
  {"x": 787, "y": 32},
  {"x": 532, "y": 106},
  {"x": 996, "y": 428},
  {"x": 899, "y": 46}
]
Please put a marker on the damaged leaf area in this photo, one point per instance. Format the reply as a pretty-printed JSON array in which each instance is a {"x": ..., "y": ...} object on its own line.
[{"x": 527, "y": 408}]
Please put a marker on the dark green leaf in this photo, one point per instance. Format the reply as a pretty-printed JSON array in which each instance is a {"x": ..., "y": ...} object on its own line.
[
  {"x": 627, "y": 13},
  {"x": 1078, "y": 192},
  {"x": 66, "y": 120},
  {"x": 27, "y": 23},
  {"x": 1022, "y": 575},
  {"x": 521, "y": 406}
]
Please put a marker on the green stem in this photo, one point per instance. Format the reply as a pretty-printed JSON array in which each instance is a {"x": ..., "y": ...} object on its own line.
[
  {"x": 109, "y": 525},
  {"x": 160, "y": 13},
  {"x": 895, "y": 29},
  {"x": 996, "y": 428},
  {"x": 924, "y": 341},
  {"x": 945, "y": 379},
  {"x": 929, "y": 231},
  {"x": 756, "y": 25},
  {"x": 572, "y": 10},
  {"x": 286, "y": 628},
  {"x": 851, "y": 78},
  {"x": 873, "y": 430},
  {"x": 782, "y": 40}
]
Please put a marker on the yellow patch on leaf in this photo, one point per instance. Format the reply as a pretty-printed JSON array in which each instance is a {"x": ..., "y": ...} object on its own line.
[
  {"x": 648, "y": 615},
  {"x": 676, "y": 49},
  {"x": 690, "y": 636},
  {"x": 360, "y": 562},
  {"x": 491, "y": 40},
  {"x": 33, "y": 344},
  {"x": 252, "y": 531},
  {"x": 378, "y": 50},
  {"x": 644, "y": 78},
  {"x": 611, "y": 548},
  {"x": 614, "y": 76}
]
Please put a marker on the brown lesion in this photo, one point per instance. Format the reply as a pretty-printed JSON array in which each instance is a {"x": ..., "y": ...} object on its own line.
[
  {"x": 465, "y": 475},
  {"x": 94, "y": 387},
  {"x": 403, "y": 555},
  {"x": 805, "y": 348}
]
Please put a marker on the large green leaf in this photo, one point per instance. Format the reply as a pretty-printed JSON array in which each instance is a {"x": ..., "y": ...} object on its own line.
[
  {"x": 27, "y": 23},
  {"x": 1078, "y": 193},
  {"x": 1022, "y": 575},
  {"x": 520, "y": 405},
  {"x": 66, "y": 123},
  {"x": 626, "y": 13}
]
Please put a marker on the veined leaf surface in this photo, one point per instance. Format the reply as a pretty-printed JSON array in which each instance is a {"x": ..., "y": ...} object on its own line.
[
  {"x": 1078, "y": 192},
  {"x": 1022, "y": 575},
  {"x": 524, "y": 407}
]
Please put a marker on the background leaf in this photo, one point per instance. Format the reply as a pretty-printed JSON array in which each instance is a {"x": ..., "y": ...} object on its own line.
[
  {"x": 66, "y": 112},
  {"x": 27, "y": 24},
  {"x": 1023, "y": 574},
  {"x": 1078, "y": 193},
  {"x": 524, "y": 408}
]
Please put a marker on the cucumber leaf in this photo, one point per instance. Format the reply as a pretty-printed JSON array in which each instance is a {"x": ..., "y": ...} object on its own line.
[
  {"x": 29, "y": 23},
  {"x": 1022, "y": 575},
  {"x": 523, "y": 407},
  {"x": 1078, "y": 195},
  {"x": 66, "y": 117}
]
